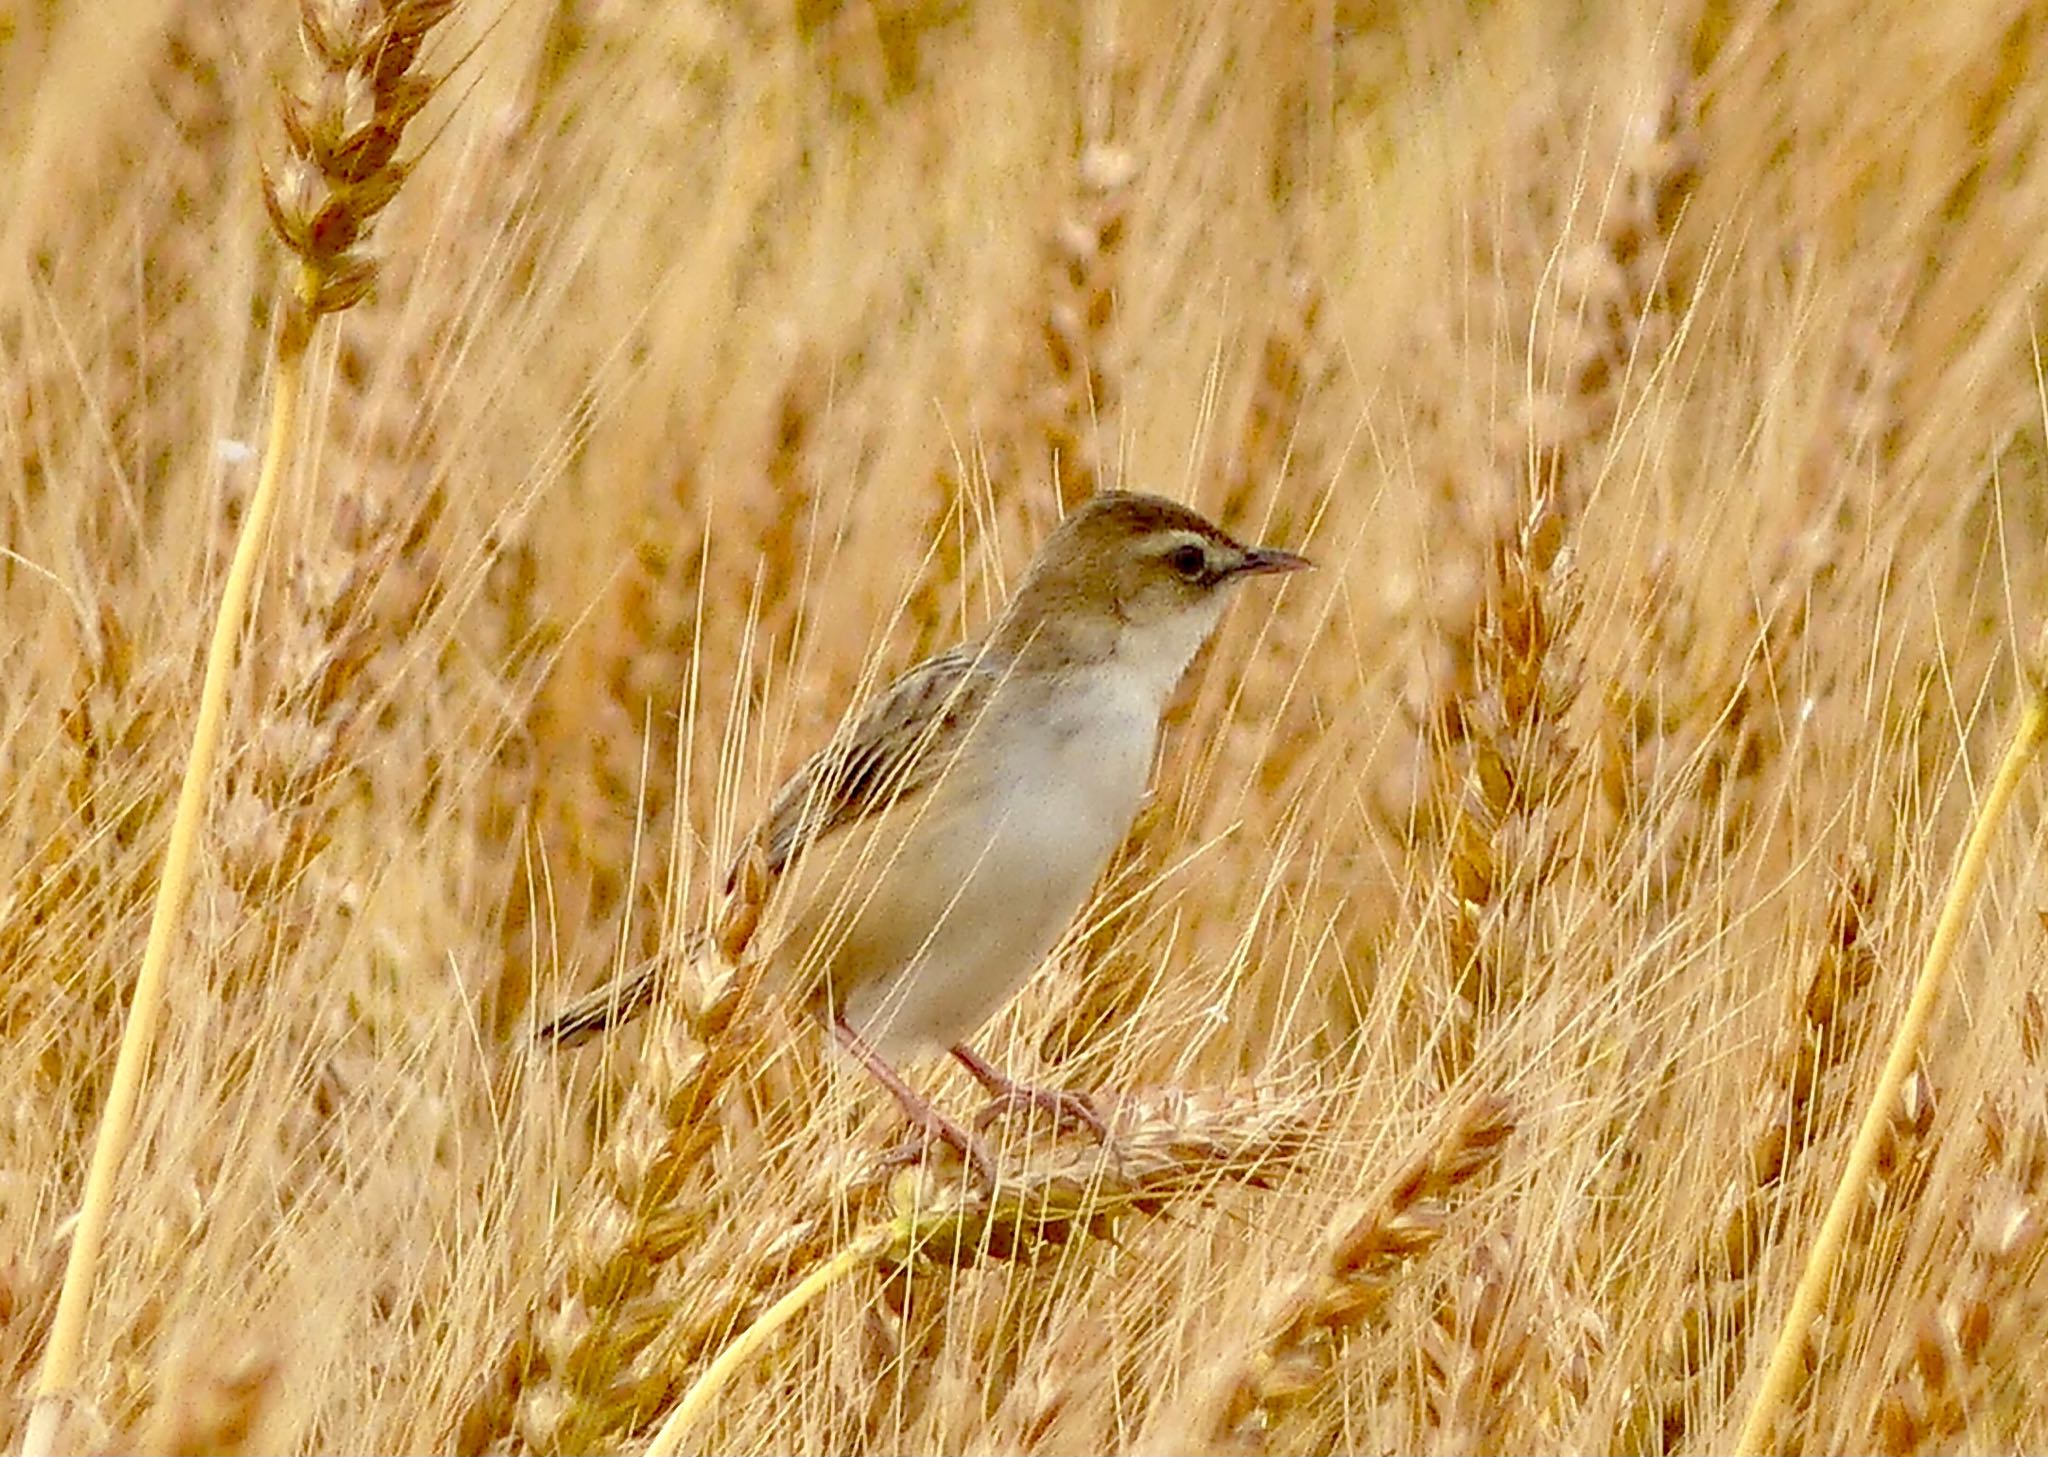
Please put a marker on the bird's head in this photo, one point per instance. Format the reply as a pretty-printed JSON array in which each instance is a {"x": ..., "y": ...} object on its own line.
[{"x": 1138, "y": 578}]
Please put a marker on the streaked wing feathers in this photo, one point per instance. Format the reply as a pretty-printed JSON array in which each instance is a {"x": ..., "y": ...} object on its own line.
[{"x": 897, "y": 747}]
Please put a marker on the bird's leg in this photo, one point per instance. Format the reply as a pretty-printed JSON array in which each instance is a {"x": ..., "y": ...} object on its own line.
[
  {"x": 929, "y": 1121},
  {"x": 1007, "y": 1093}
]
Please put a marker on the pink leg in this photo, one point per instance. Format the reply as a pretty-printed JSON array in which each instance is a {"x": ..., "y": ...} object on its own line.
[
  {"x": 1009, "y": 1093},
  {"x": 929, "y": 1121}
]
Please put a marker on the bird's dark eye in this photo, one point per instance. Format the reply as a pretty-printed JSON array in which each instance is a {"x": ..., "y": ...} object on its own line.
[{"x": 1190, "y": 561}]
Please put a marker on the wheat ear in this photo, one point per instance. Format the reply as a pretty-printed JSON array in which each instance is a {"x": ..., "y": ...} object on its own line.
[
  {"x": 1782, "y": 1376},
  {"x": 1162, "y": 1148},
  {"x": 342, "y": 172},
  {"x": 1293, "y": 1355}
]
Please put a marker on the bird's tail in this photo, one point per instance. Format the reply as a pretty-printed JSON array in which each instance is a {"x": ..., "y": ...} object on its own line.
[
  {"x": 632, "y": 992},
  {"x": 619, "y": 1000}
]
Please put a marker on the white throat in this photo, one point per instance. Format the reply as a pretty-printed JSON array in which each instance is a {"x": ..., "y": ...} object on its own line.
[{"x": 1158, "y": 653}]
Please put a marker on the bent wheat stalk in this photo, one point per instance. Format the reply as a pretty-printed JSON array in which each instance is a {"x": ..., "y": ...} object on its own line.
[
  {"x": 669, "y": 1440},
  {"x": 1782, "y": 1375}
]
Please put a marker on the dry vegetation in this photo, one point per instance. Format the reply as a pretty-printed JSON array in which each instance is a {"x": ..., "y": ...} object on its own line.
[{"x": 1487, "y": 998}]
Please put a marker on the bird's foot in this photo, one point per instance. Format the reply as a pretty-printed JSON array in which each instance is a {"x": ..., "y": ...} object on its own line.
[
  {"x": 929, "y": 1124},
  {"x": 1065, "y": 1105},
  {"x": 1010, "y": 1096}
]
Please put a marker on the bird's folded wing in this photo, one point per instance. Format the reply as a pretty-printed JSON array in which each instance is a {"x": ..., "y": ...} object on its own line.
[{"x": 900, "y": 743}]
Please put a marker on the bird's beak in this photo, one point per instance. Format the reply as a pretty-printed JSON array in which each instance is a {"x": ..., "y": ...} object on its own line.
[{"x": 1261, "y": 559}]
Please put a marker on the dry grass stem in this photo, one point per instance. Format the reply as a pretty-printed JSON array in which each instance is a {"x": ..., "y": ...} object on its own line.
[
  {"x": 355, "y": 163},
  {"x": 67, "y": 1330}
]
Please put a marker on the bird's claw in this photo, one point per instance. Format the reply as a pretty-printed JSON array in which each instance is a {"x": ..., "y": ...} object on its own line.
[{"x": 1063, "y": 1103}]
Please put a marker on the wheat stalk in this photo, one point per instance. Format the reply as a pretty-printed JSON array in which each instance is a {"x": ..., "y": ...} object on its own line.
[
  {"x": 67, "y": 1331},
  {"x": 341, "y": 172},
  {"x": 1782, "y": 1375}
]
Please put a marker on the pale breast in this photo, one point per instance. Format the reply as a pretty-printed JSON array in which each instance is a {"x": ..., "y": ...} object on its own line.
[{"x": 992, "y": 873}]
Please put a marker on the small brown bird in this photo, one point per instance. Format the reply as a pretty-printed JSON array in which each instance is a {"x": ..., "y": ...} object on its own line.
[{"x": 913, "y": 873}]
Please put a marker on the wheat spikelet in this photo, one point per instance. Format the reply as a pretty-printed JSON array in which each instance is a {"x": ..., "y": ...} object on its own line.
[
  {"x": 1695, "y": 729},
  {"x": 87, "y": 882},
  {"x": 332, "y": 648},
  {"x": 517, "y": 639},
  {"x": 344, "y": 131},
  {"x": 1956, "y": 1380},
  {"x": 590, "y": 776},
  {"x": 1277, "y": 474},
  {"x": 416, "y": 555},
  {"x": 606, "y": 819},
  {"x": 1057, "y": 417},
  {"x": 779, "y": 551},
  {"x": 160, "y": 192},
  {"x": 1704, "y": 1343},
  {"x": 1506, "y": 747},
  {"x": 574, "y": 1374},
  {"x": 1508, "y": 773},
  {"x": 1352, "y": 1273},
  {"x": 1279, "y": 439},
  {"x": 1081, "y": 397},
  {"x": 193, "y": 86},
  {"x": 1476, "y": 1350},
  {"x": 1617, "y": 301},
  {"x": 1699, "y": 723},
  {"x": 1931, "y": 1403},
  {"x": 139, "y": 298},
  {"x": 1161, "y": 1149}
]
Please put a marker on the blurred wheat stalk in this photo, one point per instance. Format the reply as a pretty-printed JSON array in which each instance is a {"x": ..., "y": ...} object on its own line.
[{"x": 342, "y": 170}]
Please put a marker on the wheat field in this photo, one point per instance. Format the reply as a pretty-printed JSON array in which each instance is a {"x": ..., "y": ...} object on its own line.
[{"x": 1491, "y": 990}]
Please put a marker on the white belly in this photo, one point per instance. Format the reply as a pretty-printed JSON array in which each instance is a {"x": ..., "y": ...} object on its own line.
[{"x": 996, "y": 870}]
